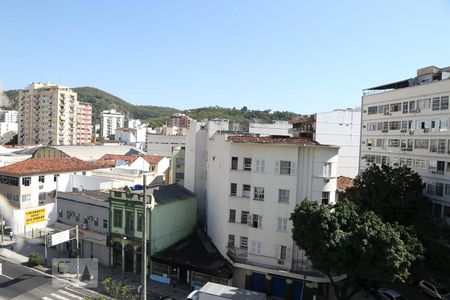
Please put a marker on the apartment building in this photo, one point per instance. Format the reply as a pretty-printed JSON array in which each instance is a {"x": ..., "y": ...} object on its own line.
[
  {"x": 340, "y": 127},
  {"x": 47, "y": 115},
  {"x": 159, "y": 144},
  {"x": 8, "y": 116},
  {"x": 253, "y": 185},
  {"x": 406, "y": 123},
  {"x": 84, "y": 124},
  {"x": 132, "y": 136},
  {"x": 280, "y": 128},
  {"x": 179, "y": 120},
  {"x": 110, "y": 121},
  {"x": 177, "y": 165}
]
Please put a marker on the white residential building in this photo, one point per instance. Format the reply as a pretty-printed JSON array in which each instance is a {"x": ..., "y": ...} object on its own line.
[
  {"x": 7, "y": 131},
  {"x": 253, "y": 185},
  {"x": 279, "y": 128},
  {"x": 110, "y": 121},
  {"x": 132, "y": 136},
  {"x": 133, "y": 123},
  {"x": 407, "y": 123},
  {"x": 158, "y": 144},
  {"x": 340, "y": 127},
  {"x": 8, "y": 116}
]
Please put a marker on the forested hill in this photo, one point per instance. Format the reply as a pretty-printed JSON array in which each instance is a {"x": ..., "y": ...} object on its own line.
[{"x": 156, "y": 115}]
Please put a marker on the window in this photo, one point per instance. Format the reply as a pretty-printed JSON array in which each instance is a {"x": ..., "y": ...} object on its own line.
[
  {"x": 260, "y": 165},
  {"x": 372, "y": 126},
  {"x": 257, "y": 221},
  {"x": 140, "y": 220},
  {"x": 412, "y": 106},
  {"x": 244, "y": 217},
  {"x": 283, "y": 196},
  {"x": 77, "y": 218},
  {"x": 179, "y": 161},
  {"x": 447, "y": 189},
  {"x": 325, "y": 198},
  {"x": 117, "y": 218},
  {"x": 258, "y": 193},
  {"x": 243, "y": 242},
  {"x": 395, "y": 125},
  {"x": 440, "y": 167},
  {"x": 118, "y": 194},
  {"x": 404, "y": 126},
  {"x": 255, "y": 247},
  {"x": 179, "y": 176},
  {"x": 42, "y": 196},
  {"x": 41, "y": 178},
  {"x": 282, "y": 224},
  {"x": 26, "y": 181},
  {"x": 68, "y": 214},
  {"x": 129, "y": 220},
  {"x": 232, "y": 216},
  {"x": 439, "y": 189},
  {"x": 405, "y": 108},
  {"x": 234, "y": 163},
  {"x": 233, "y": 189},
  {"x": 447, "y": 211},
  {"x": 444, "y": 103},
  {"x": 420, "y": 164},
  {"x": 231, "y": 238},
  {"x": 55, "y": 177},
  {"x": 326, "y": 170},
  {"x": 437, "y": 210},
  {"x": 423, "y": 104},
  {"x": 441, "y": 147},
  {"x": 433, "y": 145},
  {"x": 372, "y": 110},
  {"x": 436, "y": 104},
  {"x": 394, "y": 143},
  {"x": 9, "y": 180},
  {"x": 246, "y": 190},
  {"x": 369, "y": 142},
  {"x": 396, "y": 107},
  {"x": 285, "y": 167},
  {"x": 26, "y": 197},
  {"x": 283, "y": 252},
  {"x": 421, "y": 144},
  {"x": 96, "y": 222},
  {"x": 430, "y": 189},
  {"x": 247, "y": 164},
  {"x": 60, "y": 214},
  {"x": 105, "y": 223}
]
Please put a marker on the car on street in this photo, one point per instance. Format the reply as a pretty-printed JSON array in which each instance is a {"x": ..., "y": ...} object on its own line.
[
  {"x": 389, "y": 294},
  {"x": 433, "y": 290}
]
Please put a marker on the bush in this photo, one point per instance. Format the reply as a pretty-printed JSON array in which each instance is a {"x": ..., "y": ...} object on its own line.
[{"x": 34, "y": 259}]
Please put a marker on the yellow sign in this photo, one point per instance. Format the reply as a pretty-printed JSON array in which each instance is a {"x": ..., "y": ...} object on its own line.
[{"x": 35, "y": 216}]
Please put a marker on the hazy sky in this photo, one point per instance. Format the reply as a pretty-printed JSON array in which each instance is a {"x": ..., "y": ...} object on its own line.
[{"x": 302, "y": 56}]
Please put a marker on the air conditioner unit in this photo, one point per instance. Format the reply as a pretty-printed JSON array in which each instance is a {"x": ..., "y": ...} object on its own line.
[
  {"x": 411, "y": 131},
  {"x": 384, "y": 130},
  {"x": 281, "y": 262},
  {"x": 403, "y": 130},
  {"x": 83, "y": 226},
  {"x": 426, "y": 129},
  {"x": 326, "y": 180},
  {"x": 90, "y": 218}
]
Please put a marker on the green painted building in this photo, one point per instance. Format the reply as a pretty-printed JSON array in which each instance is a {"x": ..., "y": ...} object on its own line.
[{"x": 171, "y": 216}]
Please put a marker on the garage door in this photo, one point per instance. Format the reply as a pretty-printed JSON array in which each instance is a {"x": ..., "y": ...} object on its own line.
[
  {"x": 258, "y": 282},
  {"x": 297, "y": 289},
  {"x": 279, "y": 287}
]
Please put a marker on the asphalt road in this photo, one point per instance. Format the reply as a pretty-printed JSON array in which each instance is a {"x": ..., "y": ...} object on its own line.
[{"x": 21, "y": 283}]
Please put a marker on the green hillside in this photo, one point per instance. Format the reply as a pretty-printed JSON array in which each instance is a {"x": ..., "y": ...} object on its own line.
[{"x": 156, "y": 115}]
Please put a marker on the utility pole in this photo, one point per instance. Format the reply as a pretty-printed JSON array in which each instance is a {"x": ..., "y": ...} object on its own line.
[
  {"x": 3, "y": 230},
  {"x": 78, "y": 251},
  {"x": 144, "y": 242}
]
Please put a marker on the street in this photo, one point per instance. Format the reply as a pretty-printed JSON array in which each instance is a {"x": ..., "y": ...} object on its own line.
[{"x": 19, "y": 282}]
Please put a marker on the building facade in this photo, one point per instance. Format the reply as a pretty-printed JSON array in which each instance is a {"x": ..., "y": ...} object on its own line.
[
  {"x": 406, "y": 123},
  {"x": 110, "y": 121},
  {"x": 279, "y": 128},
  {"x": 179, "y": 120},
  {"x": 158, "y": 144},
  {"x": 249, "y": 204},
  {"x": 340, "y": 127},
  {"x": 84, "y": 124},
  {"x": 8, "y": 116}
]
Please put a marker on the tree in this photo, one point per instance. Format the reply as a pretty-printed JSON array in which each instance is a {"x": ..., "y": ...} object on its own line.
[
  {"x": 34, "y": 259},
  {"x": 117, "y": 290},
  {"x": 394, "y": 194},
  {"x": 339, "y": 240}
]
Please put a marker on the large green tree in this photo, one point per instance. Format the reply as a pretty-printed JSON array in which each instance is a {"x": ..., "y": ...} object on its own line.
[{"x": 339, "y": 240}]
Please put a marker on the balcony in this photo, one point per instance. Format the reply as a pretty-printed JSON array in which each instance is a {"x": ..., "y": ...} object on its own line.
[{"x": 237, "y": 254}]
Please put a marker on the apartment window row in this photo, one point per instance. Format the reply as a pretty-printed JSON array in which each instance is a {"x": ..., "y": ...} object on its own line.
[
  {"x": 414, "y": 106},
  {"x": 244, "y": 217},
  {"x": 282, "y": 252},
  {"x": 258, "y": 193},
  {"x": 440, "y": 210},
  {"x": 69, "y": 214},
  {"x": 129, "y": 219},
  {"x": 282, "y": 167},
  {"x": 431, "y": 145},
  {"x": 432, "y": 125},
  {"x": 433, "y": 166},
  {"x": 438, "y": 189},
  {"x": 9, "y": 180}
]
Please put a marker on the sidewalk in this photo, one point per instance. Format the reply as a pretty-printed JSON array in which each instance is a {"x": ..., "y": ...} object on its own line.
[{"x": 21, "y": 249}]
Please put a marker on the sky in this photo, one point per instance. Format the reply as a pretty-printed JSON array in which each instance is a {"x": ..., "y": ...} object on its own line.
[{"x": 300, "y": 56}]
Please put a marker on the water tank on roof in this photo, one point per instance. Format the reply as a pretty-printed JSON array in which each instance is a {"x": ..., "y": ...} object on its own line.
[{"x": 138, "y": 187}]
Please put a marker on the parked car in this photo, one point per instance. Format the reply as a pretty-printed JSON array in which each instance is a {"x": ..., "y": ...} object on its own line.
[
  {"x": 388, "y": 294},
  {"x": 433, "y": 290}
]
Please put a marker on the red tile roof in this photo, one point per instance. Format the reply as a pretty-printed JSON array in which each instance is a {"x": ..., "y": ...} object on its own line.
[
  {"x": 109, "y": 160},
  {"x": 344, "y": 183},
  {"x": 152, "y": 159},
  {"x": 271, "y": 140},
  {"x": 33, "y": 166}
]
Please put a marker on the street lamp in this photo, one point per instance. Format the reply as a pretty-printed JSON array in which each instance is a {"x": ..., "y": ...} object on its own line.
[{"x": 123, "y": 257}]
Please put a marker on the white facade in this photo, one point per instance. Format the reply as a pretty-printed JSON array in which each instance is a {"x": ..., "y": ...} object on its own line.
[
  {"x": 252, "y": 187},
  {"x": 341, "y": 127},
  {"x": 110, "y": 121},
  {"x": 409, "y": 126},
  {"x": 7, "y": 131},
  {"x": 8, "y": 116},
  {"x": 132, "y": 136},
  {"x": 196, "y": 158},
  {"x": 158, "y": 144},
  {"x": 133, "y": 123},
  {"x": 280, "y": 128}
]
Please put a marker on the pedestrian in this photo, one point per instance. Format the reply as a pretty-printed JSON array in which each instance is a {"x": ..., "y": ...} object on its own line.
[{"x": 11, "y": 234}]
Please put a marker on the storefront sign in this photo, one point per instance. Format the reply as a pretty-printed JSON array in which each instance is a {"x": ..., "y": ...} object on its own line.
[{"x": 35, "y": 216}]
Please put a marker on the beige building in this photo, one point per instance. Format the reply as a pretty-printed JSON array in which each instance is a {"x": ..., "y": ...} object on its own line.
[
  {"x": 407, "y": 123},
  {"x": 47, "y": 115}
]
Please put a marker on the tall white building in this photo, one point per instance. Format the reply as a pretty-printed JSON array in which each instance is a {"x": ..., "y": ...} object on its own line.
[
  {"x": 406, "y": 123},
  {"x": 340, "y": 127},
  {"x": 251, "y": 186},
  {"x": 110, "y": 121}
]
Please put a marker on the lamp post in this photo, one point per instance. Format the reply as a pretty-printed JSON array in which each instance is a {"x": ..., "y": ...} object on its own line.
[
  {"x": 144, "y": 241},
  {"x": 123, "y": 257}
]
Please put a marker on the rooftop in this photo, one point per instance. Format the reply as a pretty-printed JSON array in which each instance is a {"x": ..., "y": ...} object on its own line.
[
  {"x": 34, "y": 166},
  {"x": 344, "y": 183},
  {"x": 85, "y": 196},
  {"x": 110, "y": 160},
  {"x": 271, "y": 140},
  {"x": 165, "y": 193}
]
